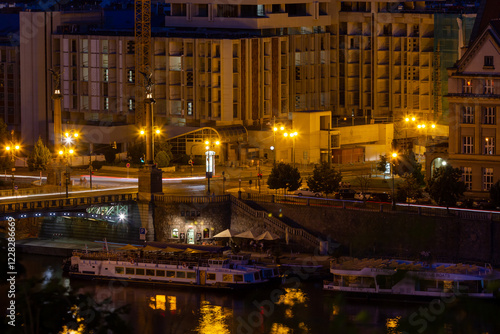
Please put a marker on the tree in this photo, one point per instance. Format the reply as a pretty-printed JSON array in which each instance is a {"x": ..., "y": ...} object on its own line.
[
  {"x": 363, "y": 182},
  {"x": 40, "y": 157},
  {"x": 284, "y": 176},
  {"x": 495, "y": 194},
  {"x": 382, "y": 164},
  {"x": 136, "y": 151},
  {"x": 446, "y": 185},
  {"x": 324, "y": 179},
  {"x": 162, "y": 159},
  {"x": 407, "y": 164},
  {"x": 109, "y": 154},
  {"x": 409, "y": 188}
]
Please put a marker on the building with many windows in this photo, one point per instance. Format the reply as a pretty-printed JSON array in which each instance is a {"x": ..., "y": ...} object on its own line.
[
  {"x": 474, "y": 97},
  {"x": 251, "y": 64}
]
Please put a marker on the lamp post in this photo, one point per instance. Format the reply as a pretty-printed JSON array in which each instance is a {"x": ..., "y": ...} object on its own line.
[
  {"x": 210, "y": 160},
  {"x": 156, "y": 132},
  {"x": 407, "y": 121},
  {"x": 292, "y": 135},
  {"x": 12, "y": 148},
  {"x": 393, "y": 165},
  {"x": 65, "y": 153},
  {"x": 69, "y": 139}
]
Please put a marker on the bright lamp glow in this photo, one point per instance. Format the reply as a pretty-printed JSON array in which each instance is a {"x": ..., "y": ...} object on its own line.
[
  {"x": 443, "y": 163},
  {"x": 433, "y": 126},
  {"x": 71, "y": 151},
  {"x": 121, "y": 216},
  {"x": 217, "y": 142},
  {"x": 17, "y": 147},
  {"x": 285, "y": 134},
  {"x": 207, "y": 142},
  {"x": 275, "y": 129},
  {"x": 394, "y": 155},
  {"x": 75, "y": 135},
  {"x": 413, "y": 119},
  {"x": 157, "y": 131},
  {"x": 7, "y": 148},
  {"x": 407, "y": 119},
  {"x": 61, "y": 152},
  {"x": 142, "y": 132}
]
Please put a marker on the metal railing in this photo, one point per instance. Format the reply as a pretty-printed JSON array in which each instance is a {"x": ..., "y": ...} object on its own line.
[{"x": 66, "y": 203}]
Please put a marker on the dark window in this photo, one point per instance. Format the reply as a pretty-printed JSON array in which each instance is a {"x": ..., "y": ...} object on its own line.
[{"x": 488, "y": 61}]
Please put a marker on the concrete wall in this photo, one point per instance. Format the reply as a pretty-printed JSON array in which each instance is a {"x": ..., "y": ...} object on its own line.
[{"x": 387, "y": 234}]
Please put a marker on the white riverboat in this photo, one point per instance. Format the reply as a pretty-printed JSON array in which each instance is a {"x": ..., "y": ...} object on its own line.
[
  {"x": 393, "y": 278},
  {"x": 211, "y": 272}
]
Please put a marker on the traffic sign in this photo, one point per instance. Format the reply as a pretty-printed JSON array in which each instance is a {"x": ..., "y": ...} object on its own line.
[
  {"x": 128, "y": 165},
  {"x": 142, "y": 230},
  {"x": 15, "y": 187}
]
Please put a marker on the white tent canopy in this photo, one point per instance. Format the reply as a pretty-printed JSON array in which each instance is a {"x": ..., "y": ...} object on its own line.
[
  {"x": 226, "y": 234},
  {"x": 267, "y": 236}
]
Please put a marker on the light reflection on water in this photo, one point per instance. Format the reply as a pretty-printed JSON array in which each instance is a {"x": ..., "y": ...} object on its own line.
[{"x": 305, "y": 309}]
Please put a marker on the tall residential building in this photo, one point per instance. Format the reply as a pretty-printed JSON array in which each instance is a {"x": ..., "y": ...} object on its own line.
[
  {"x": 474, "y": 99},
  {"x": 250, "y": 63}
]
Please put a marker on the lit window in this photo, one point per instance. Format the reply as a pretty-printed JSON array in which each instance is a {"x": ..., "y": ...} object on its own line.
[
  {"x": 105, "y": 75},
  {"x": 489, "y": 115},
  {"x": 468, "y": 115},
  {"x": 489, "y": 145},
  {"x": 130, "y": 76},
  {"x": 131, "y": 104},
  {"x": 487, "y": 178},
  {"x": 467, "y": 177},
  {"x": 106, "y": 103},
  {"x": 467, "y": 87},
  {"x": 467, "y": 145},
  {"x": 175, "y": 233}
]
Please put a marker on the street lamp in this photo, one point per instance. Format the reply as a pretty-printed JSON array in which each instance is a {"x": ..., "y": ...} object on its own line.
[
  {"x": 210, "y": 160},
  {"x": 393, "y": 165},
  {"x": 156, "y": 131},
  {"x": 407, "y": 121},
  {"x": 11, "y": 149}
]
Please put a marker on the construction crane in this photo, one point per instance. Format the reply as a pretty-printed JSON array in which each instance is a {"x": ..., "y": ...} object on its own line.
[{"x": 142, "y": 54}]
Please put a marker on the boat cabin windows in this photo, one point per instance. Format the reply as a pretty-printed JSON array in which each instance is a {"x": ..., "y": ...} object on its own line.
[
  {"x": 129, "y": 271},
  {"x": 150, "y": 272},
  {"x": 170, "y": 273},
  {"x": 119, "y": 270},
  {"x": 256, "y": 275},
  {"x": 227, "y": 278},
  {"x": 238, "y": 278},
  {"x": 191, "y": 274},
  {"x": 210, "y": 277},
  {"x": 248, "y": 278},
  {"x": 139, "y": 271},
  {"x": 181, "y": 274},
  {"x": 160, "y": 273},
  {"x": 218, "y": 263}
]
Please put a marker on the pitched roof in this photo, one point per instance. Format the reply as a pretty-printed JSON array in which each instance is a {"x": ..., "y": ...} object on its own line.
[{"x": 488, "y": 11}]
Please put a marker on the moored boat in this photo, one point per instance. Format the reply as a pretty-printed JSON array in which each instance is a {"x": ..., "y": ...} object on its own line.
[
  {"x": 210, "y": 272},
  {"x": 393, "y": 278}
]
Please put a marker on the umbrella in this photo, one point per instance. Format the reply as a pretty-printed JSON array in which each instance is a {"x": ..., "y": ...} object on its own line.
[
  {"x": 195, "y": 251},
  {"x": 247, "y": 235},
  {"x": 225, "y": 234},
  {"x": 150, "y": 248},
  {"x": 171, "y": 250},
  {"x": 267, "y": 236},
  {"x": 128, "y": 247}
]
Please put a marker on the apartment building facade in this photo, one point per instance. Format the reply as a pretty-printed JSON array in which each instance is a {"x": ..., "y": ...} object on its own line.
[
  {"x": 474, "y": 102},
  {"x": 250, "y": 63}
]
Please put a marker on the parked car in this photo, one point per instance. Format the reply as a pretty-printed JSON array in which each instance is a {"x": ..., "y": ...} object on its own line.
[
  {"x": 366, "y": 196},
  {"x": 307, "y": 192},
  {"x": 346, "y": 193},
  {"x": 380, "y": 197}
]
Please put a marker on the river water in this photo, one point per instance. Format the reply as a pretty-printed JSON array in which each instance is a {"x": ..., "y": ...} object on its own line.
[{"x": 302, "y": 308}]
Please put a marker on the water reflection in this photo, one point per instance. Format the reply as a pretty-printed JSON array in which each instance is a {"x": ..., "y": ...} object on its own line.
[
  {"x": 213, "y": 319},
  {"x": 307, "y": 309}
]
